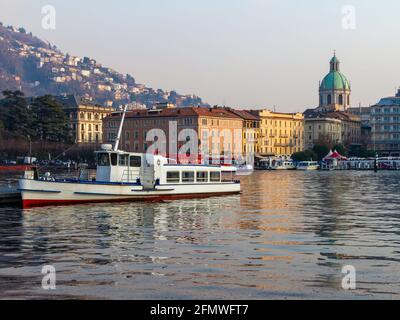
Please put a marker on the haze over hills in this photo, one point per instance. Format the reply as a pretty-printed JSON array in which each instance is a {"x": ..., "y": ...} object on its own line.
[{"x": 36, "y": 67}]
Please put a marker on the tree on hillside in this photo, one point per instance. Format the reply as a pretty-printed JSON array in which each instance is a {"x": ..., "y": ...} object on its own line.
[
  {"x": 15, "y": 114},
  {"x": 50, "y": 120}
]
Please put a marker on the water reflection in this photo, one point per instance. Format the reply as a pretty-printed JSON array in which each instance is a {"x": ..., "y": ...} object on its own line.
[{"x": 287, "y": 235}]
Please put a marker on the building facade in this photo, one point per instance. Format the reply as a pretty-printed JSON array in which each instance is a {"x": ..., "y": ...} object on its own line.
[
  {"x": 364, "y": 113},
  {"x": 280, "y": 134},
  {"x": 385, "y": 122},
  {"x": 331, "y": 129},
  {"x": 84, "y": 118},
  {"x": 251, "y": 131},
  {"x": 169, "y": 131}
]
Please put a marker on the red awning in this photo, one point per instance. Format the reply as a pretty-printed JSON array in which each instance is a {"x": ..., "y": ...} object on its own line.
[{"x": 334, "y": 155}]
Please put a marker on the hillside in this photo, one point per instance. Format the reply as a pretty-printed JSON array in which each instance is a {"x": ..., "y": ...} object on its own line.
[{"x": 37, "y": 68}]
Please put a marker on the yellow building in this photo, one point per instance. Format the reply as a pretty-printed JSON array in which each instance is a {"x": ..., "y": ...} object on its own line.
[
  {"x": 84, "y": 118},
  {"x": 250, "y": 131},
  {"x": 280, "y": 133}
]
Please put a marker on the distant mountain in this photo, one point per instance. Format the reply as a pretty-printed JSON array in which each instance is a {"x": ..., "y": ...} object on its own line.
[{"x": 35, "y": 67}]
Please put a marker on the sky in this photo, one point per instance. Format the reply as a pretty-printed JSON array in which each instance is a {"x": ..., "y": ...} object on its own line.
[{"x": 239, "y": 53}]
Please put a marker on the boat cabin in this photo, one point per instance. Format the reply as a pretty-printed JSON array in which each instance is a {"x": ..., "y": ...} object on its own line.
[{"x": 149, "y": 170}]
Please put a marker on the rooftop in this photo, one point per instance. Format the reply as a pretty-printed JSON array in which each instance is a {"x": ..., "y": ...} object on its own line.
[{"x": 216, "y": 112}]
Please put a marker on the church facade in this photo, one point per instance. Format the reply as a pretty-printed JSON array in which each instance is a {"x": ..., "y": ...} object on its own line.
[{"x": 330, "y": 123}]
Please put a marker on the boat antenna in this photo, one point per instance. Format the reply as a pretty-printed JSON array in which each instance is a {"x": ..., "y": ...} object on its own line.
[{"x": 120, "y": 128}]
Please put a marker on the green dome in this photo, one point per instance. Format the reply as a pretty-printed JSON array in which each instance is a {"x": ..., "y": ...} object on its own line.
[{"x": 335, "y": 80}]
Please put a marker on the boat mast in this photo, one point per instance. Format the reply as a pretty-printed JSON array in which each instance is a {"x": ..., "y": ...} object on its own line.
[{"x": 120, "y": 128}]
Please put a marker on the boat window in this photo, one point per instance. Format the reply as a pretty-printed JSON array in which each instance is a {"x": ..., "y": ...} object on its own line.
[
  {"x": 215, "y": 176},
  {"x": 173, "y": 177},
  {"x": 123, "y": 160},
  {"x": 187, "y": 176},
  {"x": 114, "y": 159},
  {"x": 103, "y": 159},
  {"x": 202, "y": 176},
  {"x": 135, "y": 161}
]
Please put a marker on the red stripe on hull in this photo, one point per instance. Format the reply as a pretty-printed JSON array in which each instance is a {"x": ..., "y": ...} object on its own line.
[
  {"x": 15, "y": 168},
  {"x": 31, "y": 203}
]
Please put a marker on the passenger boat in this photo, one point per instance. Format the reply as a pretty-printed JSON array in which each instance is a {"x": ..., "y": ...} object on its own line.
[
  {"x": 124, "y": 176},
  {"x": 283, "y": 165},
  {"x": 307, "y": 165},
  {"x": 244, "y": 169}
]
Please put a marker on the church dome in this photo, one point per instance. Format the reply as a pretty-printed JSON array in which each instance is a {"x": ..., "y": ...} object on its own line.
[{"x": 335, "y": 80}]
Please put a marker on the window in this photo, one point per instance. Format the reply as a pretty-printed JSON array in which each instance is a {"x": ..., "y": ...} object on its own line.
[
  {"x": 173, "y": 177},
  {"x": 329, "y": 99},
  {"x": 215, "y": 176},
  {"x": 103, "y": 159},
  {"x": 341, "y": 99},
  {"x": 114, "y": 159},
  {"x": 187, "y": 176},
  {"x": 123, "y": 160},
  {"x": 202, "y": 176},
  {"x": 135, "y": 161}
]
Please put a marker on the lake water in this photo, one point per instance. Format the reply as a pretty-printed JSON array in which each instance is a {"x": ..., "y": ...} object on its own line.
[{"x": 288, "y": 235}]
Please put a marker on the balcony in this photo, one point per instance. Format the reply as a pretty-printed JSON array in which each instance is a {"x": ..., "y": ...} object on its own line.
[{"x": 284, "y": 145}]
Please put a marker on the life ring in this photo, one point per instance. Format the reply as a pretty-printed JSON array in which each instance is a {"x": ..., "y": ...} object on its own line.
[{"x": 158, "y": 162}]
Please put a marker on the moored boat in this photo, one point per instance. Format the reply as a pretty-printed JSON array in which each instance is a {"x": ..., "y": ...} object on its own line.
[
  {"x": 125, "y": 176},
  {"x": 307, "y": 165},
  {"x": 283, "y": 165}
]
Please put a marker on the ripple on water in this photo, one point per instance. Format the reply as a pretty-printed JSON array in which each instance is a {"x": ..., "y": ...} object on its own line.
[{"x": 288, "y": 235}]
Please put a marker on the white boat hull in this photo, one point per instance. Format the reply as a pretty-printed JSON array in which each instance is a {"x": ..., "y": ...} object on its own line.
[
  {"x": 308, "y": 168},
  {"x": 42, "y": 193}
]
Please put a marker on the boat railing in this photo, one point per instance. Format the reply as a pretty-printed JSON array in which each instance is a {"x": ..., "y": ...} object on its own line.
[
  {"x": 172, "y": 161},
  {"x": 128, "y": 176}
]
